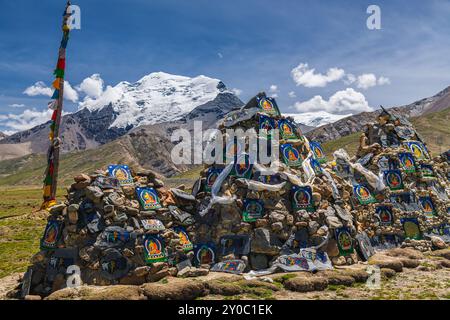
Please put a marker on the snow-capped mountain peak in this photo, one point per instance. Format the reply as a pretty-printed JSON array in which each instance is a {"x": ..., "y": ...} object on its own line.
[
  {"x": 155, "y": 98},
  {"x": 316, "y": 119}
]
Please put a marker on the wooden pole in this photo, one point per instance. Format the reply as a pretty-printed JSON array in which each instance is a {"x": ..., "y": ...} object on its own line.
[{"x": 53, "y": 154}]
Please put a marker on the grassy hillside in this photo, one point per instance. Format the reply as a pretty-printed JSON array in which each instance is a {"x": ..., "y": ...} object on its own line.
[
  {"x": 21, "y": 227},
  {"x": 29, "y": 170},
  {"x": 434, "y": 127}
]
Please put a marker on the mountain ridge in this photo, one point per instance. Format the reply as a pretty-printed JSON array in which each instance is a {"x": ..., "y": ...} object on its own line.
[
  {"x": 356, "y": 123},
  {"x": 156, "y": 98}
]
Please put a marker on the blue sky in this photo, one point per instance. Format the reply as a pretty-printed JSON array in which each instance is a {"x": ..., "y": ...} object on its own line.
[{"x": 250, "y": 45}]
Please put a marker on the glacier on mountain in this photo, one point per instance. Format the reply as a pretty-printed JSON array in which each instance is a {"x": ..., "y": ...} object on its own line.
[
  {"x": 317, "y": 118},
  {"x": 155, "y": 98}
]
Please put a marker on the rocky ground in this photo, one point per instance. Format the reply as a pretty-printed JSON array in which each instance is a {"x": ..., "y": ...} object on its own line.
[{"x": 405, "y": 274}]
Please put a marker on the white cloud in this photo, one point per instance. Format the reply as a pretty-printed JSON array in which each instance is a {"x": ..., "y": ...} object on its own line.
[
  {"x": 92, "y": 86},
  {"x": 236, "y": 91},
  {"x": 292, "y": 94},
  {"x": 109, "y": 95},
  {"x": 273, "y": 88},
  {"x": 38, "y": 89},
  {"x": 69, "y": 92},
  {"x": 342, "y": 102},
  {"x": 304, "y": 76},
  {"x": 383, "y": 80},
  {"x": 26, "y": 120},
  {"x": 16, "y": 105},
  {"x": 366, "y": 80},
  {"x": 8, "y": 132},
  {"x": 349, "y": 78},
  {"x": 41, "y": 89}
]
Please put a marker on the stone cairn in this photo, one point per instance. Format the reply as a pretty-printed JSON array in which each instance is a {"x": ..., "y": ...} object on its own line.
[
  {"x": 401, "y": 193},
  {"x": 120, "y": 226}
]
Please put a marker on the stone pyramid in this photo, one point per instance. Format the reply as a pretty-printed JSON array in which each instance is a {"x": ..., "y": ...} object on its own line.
[{"x": 123, "y": 226}]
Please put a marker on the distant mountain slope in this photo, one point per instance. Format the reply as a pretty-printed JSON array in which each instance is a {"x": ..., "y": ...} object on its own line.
[
  {"x": 356, "y": 123},
  {"x": 145, "y": 146},
  {"x": 312, "y": 120},
  {"x": 2, "y": 135},
  {"x": 156, "y": 98},
  {"x": 434, "y": 128}
]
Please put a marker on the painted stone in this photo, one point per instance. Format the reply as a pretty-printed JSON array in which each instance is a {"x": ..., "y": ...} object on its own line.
[
  {"x": 315, "y": 165},
  {"x": 122, "y": 173},
  {"x": 242, "y": 168},
  {"x": 114, "y": 265},
  {"x": 364, "y": 247},
  {"x": 204, "y": 253},
  {"x": 418, "y": 149},
  {"x": 253, "y": 210},
  {"x": 51, "y": 236},
  {"x": 229, "y": 266},
  {"x": 184, "y": 238},
  {"x": 211, "y": 177},
  {"x": 317, "y": 150},
  {"x": 148, "y": 198},
  {"x": 363, "y": 194},
  {"x": 291, "y": 155},
  {"x": 411, "y": 228},
  {"x": 344, "y": 241},
  {"x": 407, "y": 162},
  {"x": 302, "y": 198},
  {"x": 153, "y": 225},
  {"x": 154, "y": 250},
  {"x": 427, "y": 205},
  {"x": 426, "y": 170},
  {"x": 268, "y": 105},
  {"x": 385, "y": 215},
  {"x": 266, "y": 124},
  {"x": 235, "y": 244},
  {"x": 287, "y": 129},
  {"x": 393, "y": 179}
]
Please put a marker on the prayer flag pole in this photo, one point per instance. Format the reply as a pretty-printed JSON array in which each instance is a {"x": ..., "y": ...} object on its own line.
[{"x": 51, "y": 172}]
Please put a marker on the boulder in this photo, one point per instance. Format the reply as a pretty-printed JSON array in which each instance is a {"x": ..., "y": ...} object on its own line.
[
  {"x": 265, "y": 242},
  {"x": 117, "y": 292},
  {"x": 175, "y": 289}
]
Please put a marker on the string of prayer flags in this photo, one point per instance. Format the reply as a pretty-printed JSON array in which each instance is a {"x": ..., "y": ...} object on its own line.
[{"x": 56, "y": 104}]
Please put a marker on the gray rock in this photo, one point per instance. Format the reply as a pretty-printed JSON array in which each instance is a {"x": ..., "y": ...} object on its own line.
[
  {"x": 265, "y": 242},
  {"x": 192, "y": 272},
  {"x": 57, "y": 209},
  {"x": 259, "y": 261},
  {"x": 94, "y": 194},
  {"x": 333, "y": 222}
]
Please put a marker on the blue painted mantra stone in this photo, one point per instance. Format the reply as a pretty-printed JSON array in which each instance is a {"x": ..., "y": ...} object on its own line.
[
  {"x": 317, "y": 150},
  {"x": 363, "y": 194},
  {"x": 122, "y": 173},
  {"x": 154, "y": 250},
  {"x": 51, "y": 236},
  {"x": 302, "y": 198},
  {"x": 148, "y": 197}
]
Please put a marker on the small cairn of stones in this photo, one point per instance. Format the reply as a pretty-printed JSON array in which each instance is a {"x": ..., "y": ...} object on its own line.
[
  {"x": 400, "y": 194},
  {"x": 121, "y": 226},
  {"x": 262, "y": 219},
  {"x": 115, "y": 227}
]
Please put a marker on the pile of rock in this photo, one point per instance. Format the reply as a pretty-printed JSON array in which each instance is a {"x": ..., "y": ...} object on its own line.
[
  {"x": 399, "y": 191},
  {"x": 115, "y": 227},
  {"x": 256, "y": 214},
  {"x": 124, "y": 227}
]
